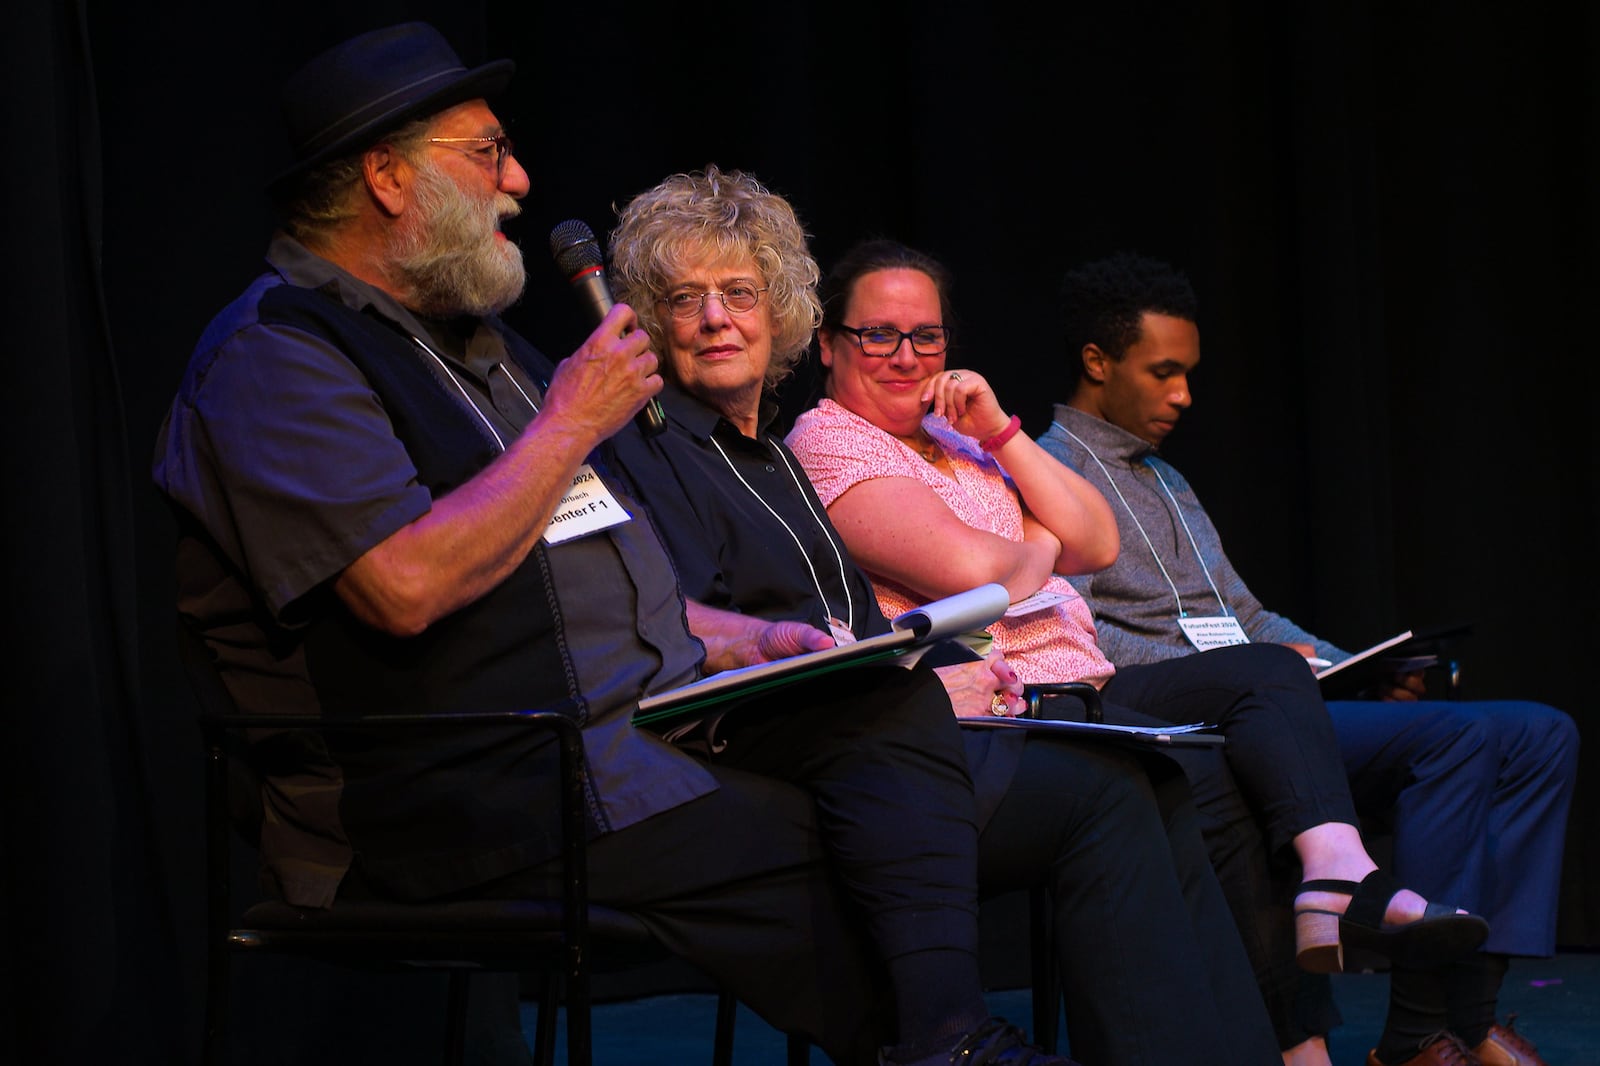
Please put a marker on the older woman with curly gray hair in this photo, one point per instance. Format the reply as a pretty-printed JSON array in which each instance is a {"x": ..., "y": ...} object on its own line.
[{"x": 718, "y": 271}]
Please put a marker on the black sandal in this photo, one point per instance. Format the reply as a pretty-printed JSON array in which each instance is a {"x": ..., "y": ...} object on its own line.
[{"x": 1441, "y": 935}]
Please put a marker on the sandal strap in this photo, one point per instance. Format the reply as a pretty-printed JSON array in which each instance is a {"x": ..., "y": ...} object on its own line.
[{"x": 1369, "y": 900}]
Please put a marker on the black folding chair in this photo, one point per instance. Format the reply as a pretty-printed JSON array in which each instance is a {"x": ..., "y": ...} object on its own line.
[{"x": 561, "y": 941}]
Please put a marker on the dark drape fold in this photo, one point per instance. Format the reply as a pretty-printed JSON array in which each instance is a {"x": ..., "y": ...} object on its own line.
[{"x": 91, "y": 961}]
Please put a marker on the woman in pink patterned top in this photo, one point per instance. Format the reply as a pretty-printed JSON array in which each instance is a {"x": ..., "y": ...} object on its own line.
[
  {"x": 934, "y": 490},
  {"x": 841, "y": 450}
]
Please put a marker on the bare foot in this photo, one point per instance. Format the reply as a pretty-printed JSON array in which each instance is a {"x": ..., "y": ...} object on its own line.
[{"x": 1311, "y": 1052}]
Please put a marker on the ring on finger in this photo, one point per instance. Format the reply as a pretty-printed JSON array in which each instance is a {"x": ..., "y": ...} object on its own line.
[
  {"x": 997, "y": 705},
  {"x": 955, "y": 375}
]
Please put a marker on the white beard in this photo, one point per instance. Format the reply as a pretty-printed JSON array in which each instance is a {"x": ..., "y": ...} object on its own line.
[{"x": 448, "y": 257}]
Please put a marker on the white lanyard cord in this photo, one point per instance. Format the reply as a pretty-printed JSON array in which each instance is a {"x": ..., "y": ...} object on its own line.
[
  {"x": 1185, "y": 523},
  {"x": 838, "y": 556},
  {"x": 517, "y": 385},
  {"x": 1136, "y": 523},
  {"x": 464, "y": 394},
  {"x": 816, "y": 583}
]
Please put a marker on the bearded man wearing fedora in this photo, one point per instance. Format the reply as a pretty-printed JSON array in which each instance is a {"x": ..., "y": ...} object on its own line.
[{"x": 364, "y": 462}]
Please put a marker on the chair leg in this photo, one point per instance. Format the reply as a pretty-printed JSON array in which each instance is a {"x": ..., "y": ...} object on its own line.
[
  {"x": 1046, "y": 975},
  {"x": 580, "y": 1035},
  {"x": 544, "y": 1029},
  {"x": 722, "y": 1044},
  {"x": 217, "y": 978},
  {"x": 459, "y": 995},
  {"x": 580, "y": 1031}
]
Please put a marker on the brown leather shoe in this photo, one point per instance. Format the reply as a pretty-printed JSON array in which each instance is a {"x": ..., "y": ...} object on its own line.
[
  {"x": 1440, "y": 1049},
  {"x": 1504, "y": 1046}
]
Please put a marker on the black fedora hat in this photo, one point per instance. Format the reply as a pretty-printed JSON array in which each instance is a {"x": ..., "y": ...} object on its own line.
[{"x": 352, "y": 94}]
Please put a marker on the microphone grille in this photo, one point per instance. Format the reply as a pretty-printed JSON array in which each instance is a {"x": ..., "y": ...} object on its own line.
[{"x": 574, "y": 246}]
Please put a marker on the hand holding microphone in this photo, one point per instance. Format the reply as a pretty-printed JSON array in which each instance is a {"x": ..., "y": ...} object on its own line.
[{"x": 578, "y": 257}]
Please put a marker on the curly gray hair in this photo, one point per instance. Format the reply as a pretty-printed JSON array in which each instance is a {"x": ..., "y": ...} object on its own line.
[{"x": 711, "y": 216}]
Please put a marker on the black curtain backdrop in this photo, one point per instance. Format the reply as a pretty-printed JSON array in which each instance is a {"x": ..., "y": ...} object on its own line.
[{"x": 1389, "y": 212}]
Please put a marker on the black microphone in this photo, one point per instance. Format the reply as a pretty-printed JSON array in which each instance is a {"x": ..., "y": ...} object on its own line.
[{"x": 578, "y": 256}]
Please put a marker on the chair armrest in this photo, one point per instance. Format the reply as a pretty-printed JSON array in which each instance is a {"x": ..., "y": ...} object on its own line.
[
  {"x": 1082, "y": 691},
  {"x": 539, "y": 719}
]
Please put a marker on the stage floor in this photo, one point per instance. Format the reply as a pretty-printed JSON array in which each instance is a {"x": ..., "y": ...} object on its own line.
[{"x": 1557, "y": 1003}]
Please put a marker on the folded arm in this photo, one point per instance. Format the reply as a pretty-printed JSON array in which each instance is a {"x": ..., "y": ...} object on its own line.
[
  {"x": 899, "y": 528},
  {"x": 1064, "y": 502}
]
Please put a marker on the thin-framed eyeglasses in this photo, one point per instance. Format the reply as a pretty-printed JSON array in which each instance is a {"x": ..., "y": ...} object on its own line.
[
  {"x": 737, "y": 299},
  {"x": 500, "y": 144},
  {"x": 884, "y": 341}
]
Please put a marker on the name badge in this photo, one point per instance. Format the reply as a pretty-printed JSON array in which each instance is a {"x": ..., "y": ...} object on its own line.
[
  {"x": 842, "y": 634},
  {"x": 1216, "y": 632},
  {"x": 588, "y": 507}
]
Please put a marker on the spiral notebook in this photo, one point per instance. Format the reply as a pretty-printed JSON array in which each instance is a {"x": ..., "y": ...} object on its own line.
[{"x": 910, "y": 635}]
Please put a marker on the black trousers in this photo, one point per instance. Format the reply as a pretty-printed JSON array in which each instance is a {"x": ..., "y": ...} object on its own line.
[
  {"x": 1280, "y": 774},
  {"x": 878, "y": 749},
  {"x": 738, "y": 883},
  {"x": 1152, "y": 968},
  {"x": 843, "y": 835}
]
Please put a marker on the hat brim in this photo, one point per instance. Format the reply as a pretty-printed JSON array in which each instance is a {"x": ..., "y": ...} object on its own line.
[{"x": 487, "y": 81}]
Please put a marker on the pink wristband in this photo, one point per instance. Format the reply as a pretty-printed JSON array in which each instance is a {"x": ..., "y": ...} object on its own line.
[{"x": 998, "y": 441}]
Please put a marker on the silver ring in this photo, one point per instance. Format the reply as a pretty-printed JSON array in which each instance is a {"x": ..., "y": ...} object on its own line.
[
  {"x": 955, "y": 375},
  {"x": 997, "y": 705}
]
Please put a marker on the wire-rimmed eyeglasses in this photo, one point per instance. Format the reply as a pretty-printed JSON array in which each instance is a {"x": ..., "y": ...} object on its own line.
[
  {"x": 500, "y": 144},
  {"x": 881, "y": 341},
  {"x": 737, "y": 299}
]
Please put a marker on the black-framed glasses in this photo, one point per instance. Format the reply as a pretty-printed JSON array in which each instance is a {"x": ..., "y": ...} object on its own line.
[
  {"x": 882, "y": 341},
  {"x": 737, "y": 299},
  {"x": 499, "y": 145}
]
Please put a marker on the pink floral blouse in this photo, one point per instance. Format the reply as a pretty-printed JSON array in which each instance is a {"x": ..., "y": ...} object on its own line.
[{"x": 840, "y": 449}]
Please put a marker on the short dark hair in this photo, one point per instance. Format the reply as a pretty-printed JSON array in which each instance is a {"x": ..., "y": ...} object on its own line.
[
  {"x": 869, "y": 257},
  {"x": 1103, "y": 301}
]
